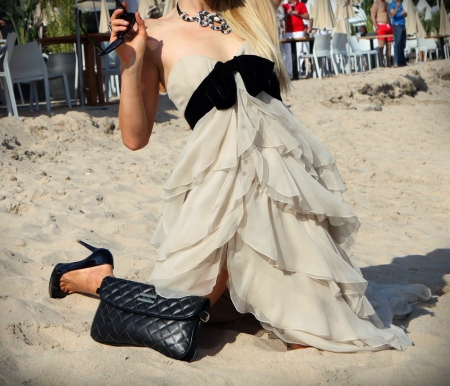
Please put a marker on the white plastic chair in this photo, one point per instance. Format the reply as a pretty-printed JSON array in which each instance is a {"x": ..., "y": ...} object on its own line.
[
  {"x": 339, "y": 50},
  {"x": 27, "y": 66},
  {"x": 432, "y": 46},
  {"x": 321, "y": 50},
  {"x": 426, "y": 46},
  {"x": 5, "y": 75},
  {"x": 356, "y": 53},
  {"x": 364, "y": 48},
  {"x": 447, "y": 50},
  {"x": 411, "y": 45}
]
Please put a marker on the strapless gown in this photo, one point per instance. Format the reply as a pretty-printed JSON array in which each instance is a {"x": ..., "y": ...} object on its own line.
[{"x": 257, "y": 194}]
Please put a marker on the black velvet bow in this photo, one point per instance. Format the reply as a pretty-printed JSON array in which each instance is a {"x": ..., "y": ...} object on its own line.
[{"x": 219, "y": 89}]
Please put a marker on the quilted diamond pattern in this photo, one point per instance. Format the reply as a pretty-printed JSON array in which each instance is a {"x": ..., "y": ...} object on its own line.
[{"x": 132, "y": 313}]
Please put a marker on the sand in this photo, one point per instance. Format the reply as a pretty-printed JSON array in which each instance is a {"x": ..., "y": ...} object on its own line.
[{"x": 67, "y": 176}]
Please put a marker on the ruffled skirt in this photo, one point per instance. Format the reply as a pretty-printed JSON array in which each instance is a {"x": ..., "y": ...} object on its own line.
[{"x": 255, "y": 193}]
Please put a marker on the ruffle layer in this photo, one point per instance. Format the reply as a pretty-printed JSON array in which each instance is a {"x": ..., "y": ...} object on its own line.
[{"x": 255, "y": 192}]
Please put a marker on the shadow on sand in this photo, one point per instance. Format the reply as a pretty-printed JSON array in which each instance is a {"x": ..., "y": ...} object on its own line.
[
  {"x": 428, "y": 270},
  {"x": 166, "y": 110}
]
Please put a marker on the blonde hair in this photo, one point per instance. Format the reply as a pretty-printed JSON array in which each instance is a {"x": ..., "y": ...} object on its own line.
[{"x": 255, "y": 22}]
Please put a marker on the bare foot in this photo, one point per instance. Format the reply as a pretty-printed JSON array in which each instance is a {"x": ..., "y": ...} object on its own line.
[
  {"x": 85, "y": 280},
  {"x": 295, "y": 346}
]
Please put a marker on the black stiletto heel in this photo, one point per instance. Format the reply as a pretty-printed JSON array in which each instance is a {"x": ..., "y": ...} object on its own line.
[{"x": 98, "y": 257}]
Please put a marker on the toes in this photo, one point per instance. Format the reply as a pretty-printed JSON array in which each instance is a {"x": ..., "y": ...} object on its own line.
[{"x": 64, "y": 286}]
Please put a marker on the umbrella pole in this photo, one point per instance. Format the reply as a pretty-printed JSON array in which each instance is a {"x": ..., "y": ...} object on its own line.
[
  {"x": 349, "y": 70},
  {"x": 79, "y": 56},
  {"x": 96, "y": 16}
]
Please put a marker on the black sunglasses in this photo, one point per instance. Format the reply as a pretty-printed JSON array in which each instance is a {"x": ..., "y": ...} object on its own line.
[{"x": 129, "y": 17}]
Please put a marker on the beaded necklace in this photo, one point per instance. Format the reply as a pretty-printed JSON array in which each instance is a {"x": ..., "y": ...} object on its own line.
[{"x": 205, "y": 18}]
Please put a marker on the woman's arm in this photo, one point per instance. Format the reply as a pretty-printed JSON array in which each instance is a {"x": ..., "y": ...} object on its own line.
[
  {"x": 140, "y": 84},
  {"x": 301, "y": 11},
  {"x": 373, "y": 15}
]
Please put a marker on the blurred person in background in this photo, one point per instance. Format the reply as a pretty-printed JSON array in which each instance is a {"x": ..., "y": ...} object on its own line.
[
  {"x": 398, "y": 15},
  {"x": 295, "y": 12}
]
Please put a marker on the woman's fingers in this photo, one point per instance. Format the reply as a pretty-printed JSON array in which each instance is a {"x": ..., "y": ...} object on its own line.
[
  {"x": 135, "y": 41},
  {"x": 117, "y": 25},
  {"x": 141, "y": 25}
]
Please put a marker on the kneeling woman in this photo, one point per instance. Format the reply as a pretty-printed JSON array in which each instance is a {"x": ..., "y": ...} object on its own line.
[{"x": 253, "y": 203}]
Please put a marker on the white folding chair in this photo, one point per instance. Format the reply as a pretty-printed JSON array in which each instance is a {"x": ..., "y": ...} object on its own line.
[
  {"x": 364, "y": 46},
  {"x": 447, "y": 50},
  {"x": 432, "y": 47},
  {"x": 426, "y": 46},
  {"x": 356, "y": 53},
  {"x": 27, "y": 66},
  {"x": 321, "y": 50},
  {"x": 411, "y": 45},
  {"x": 5, "y": 75},
  {"x": 339, "y": 50}
]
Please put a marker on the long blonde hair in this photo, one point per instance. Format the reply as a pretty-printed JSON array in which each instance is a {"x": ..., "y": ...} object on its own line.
[{"x": 255, "y": 22}]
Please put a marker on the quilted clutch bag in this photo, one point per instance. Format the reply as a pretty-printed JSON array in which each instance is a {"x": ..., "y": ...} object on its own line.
[{"x": 133, "y": 314}]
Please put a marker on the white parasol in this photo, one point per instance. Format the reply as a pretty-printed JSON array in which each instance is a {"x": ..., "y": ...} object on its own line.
[
  {"x": 413, "y": 24},
  {"x": 445, "y": 22},
  {"x": 169, "y": 5},
  {"x": 144, "y": 6},
  {"x": 344, "y": 12},
  {"x": 104, "y": 17},
  {"x": 322, "y": 15}
]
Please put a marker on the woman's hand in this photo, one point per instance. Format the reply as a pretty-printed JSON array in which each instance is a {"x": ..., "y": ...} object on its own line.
[{"x": 133, "y": 48}]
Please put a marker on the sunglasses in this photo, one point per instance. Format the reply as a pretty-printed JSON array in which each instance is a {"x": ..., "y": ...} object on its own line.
[{"x": 129, "y": 17}]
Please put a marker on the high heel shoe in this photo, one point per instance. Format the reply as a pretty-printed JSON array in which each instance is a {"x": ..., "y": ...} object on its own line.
[{"x": 98, "y": 257}]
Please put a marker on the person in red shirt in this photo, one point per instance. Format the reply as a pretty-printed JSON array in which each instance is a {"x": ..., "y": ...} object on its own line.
[{"x": 295, "y": 12}]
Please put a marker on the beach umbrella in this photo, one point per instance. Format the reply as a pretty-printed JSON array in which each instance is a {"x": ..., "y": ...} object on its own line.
[
  {"x": 40, "y": 17},
  {"x": 104, "y": 17},
  {"x": 344, "y": 11},
  {"x": 339, "y": 15},
  {"x": 309, "y": 6},
  {"x": 169, "y": 5},
  {"x": 445, "y": 22},
  {"x": 413, "y": 24},
  {"x": 322, "y": 15},
  {"x": 340, "y": 27},
  {"x": 144, "y": 6}
]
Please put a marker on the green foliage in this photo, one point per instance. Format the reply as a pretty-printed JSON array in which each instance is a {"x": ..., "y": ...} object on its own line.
[
  {"x": 366, "y": 5},
  {"x": 61, "y": 22},
  {"x": 20, "y": 14},
  {"x": 431, "y": 26}
]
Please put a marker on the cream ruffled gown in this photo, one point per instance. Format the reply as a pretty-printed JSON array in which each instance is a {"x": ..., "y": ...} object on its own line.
[{"x": 254, "y": 192}]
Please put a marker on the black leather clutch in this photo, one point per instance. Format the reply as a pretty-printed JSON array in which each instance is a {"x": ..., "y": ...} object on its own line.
[{"x": 133, "y": 314}]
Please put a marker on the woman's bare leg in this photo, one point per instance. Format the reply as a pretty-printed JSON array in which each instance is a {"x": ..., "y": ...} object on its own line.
[
  {"x": 85, "y": 280},
  {"x": 219, "y": 288},
  {"x": 388, "y": 54}
]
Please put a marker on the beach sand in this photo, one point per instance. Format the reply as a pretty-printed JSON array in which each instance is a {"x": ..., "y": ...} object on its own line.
[{"x": 67, "y": 176}]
